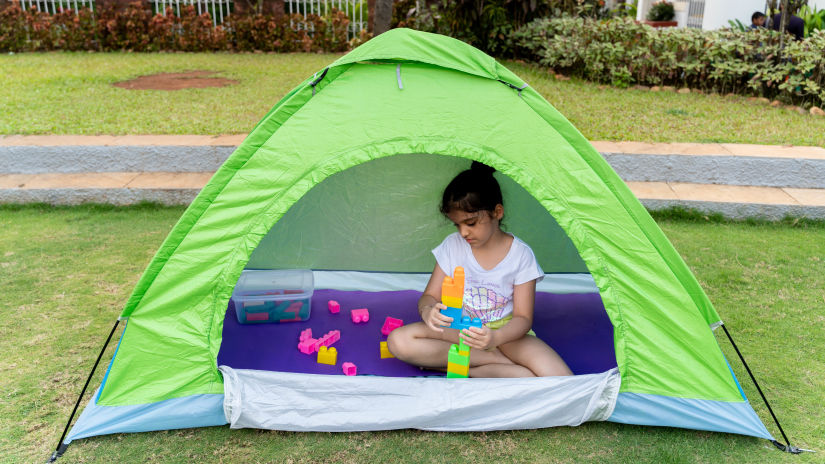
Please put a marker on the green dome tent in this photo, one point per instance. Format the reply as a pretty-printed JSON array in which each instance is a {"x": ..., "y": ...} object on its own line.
[{"x": 341, "y": 177}]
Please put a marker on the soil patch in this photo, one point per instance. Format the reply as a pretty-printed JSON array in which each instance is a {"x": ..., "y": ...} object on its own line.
[{"x": 175, "y": 81}]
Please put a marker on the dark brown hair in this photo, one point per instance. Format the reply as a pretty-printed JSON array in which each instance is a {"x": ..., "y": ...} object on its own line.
[{"x": 472, "y": 190}]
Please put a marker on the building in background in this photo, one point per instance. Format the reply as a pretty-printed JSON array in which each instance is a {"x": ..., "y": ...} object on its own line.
[{"x": 713, "y": 14}]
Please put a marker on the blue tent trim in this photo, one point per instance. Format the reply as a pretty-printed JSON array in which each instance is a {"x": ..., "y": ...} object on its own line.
[
  {"x": 716, "y": 416},
  {"x": 175, "y": 413}
]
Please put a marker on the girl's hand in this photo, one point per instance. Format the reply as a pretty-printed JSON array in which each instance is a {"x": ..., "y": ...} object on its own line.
[
  {"x": 433, "y": 318},
  {"x": 481, "y": 339}
]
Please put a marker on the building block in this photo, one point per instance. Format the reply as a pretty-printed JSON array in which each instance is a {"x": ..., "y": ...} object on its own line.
[
  {"x": 327, "y": 355},
  {"x": 360, "y": 315},
  {"x": 390, "y": 324},
  {"x": 293, "y": 308},
  {"x": 460, "y": 322},
  {"x": 308, "y": 346},
  {"x": 458, "y": 363},
  {"x": 455, "y": 313},
  {"x": 465, "y": 322},
  {"x": 455, "y": 356},
  {"x": 456, "y": 371},
  {"x": 257, "y": 316},
  {"x": 385, "y": 352},
  {"x": 328, "y": 339},
  {"x": 452, "y": 289},
  {"x": 334, "y": 307},
  {"x": 305, "y": 334},
  {"x": 462, "y": 347},
  {"x": 349, "y": 368}
]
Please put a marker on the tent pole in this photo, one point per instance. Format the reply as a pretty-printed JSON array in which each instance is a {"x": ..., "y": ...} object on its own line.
[
  {"x": 787, "y": 448},
  {"x": 61, "y": 447}
]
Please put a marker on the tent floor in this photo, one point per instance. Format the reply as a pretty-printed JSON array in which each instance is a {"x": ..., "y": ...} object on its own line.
[{"x": 574, "y": 324}]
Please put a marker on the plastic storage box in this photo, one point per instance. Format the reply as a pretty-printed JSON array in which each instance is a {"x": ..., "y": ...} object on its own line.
[{"x": 263, "y": 296}]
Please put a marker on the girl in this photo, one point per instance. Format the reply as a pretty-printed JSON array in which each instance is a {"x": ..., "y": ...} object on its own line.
[{"x": 500, "y": 289}]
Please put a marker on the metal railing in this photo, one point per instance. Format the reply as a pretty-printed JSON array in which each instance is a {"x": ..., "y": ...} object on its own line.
[
  {"x": 696, "y": 13},
  {"x": 217, "y": 9},
  {"x": 55, "y": 6},
  {"x": 356, "y": 10}
]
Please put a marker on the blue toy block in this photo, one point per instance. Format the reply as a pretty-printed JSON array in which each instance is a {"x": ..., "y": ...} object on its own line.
[
  {"x": 459, "y": 321},
  {"x": 455, "y": 313},
  {"x": 466, "y": 322}
]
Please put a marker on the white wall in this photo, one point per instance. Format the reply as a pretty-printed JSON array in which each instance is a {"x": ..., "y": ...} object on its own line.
[{"x": 718, "y": 12}]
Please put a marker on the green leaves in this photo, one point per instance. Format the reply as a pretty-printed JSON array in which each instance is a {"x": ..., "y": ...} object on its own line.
[{"x": 623, "y": 52}]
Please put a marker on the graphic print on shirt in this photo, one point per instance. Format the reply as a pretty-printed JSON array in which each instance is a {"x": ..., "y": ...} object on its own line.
[{"x": 484, "y": 303}]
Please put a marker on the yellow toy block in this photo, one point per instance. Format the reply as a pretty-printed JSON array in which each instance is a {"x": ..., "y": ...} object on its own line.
[
  {"x": 385, "y": 352},
  {"x": 457, "y": 371},
  {"x": 327, "y": 355},
  {"x": 452, "y": 289}
]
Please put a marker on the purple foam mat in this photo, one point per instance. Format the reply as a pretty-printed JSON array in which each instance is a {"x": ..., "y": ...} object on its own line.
[{"x": 575, "y": 325}]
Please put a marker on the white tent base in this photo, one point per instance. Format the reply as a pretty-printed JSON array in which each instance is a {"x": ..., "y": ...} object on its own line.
[{"x": 332, "y": 403}]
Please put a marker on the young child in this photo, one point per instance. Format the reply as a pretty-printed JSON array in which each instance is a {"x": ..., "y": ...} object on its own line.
[{"x": 500, "y": 289}]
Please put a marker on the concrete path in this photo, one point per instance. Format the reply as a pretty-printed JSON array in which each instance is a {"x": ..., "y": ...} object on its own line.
[{"x": 732, "y": 179}]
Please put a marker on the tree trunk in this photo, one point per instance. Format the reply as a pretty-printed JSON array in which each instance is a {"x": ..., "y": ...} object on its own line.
[{"x": 383, "y": 16}]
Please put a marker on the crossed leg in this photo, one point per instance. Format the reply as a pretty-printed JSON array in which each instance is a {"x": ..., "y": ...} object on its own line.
[
  {"x": 526, "y": 357},
  {"x": 531, "y": 355}
]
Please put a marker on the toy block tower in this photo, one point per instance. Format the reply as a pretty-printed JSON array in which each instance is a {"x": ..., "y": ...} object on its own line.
[
  {"x": 452, "y": 289},
  {"x": 452, "y": 295}
]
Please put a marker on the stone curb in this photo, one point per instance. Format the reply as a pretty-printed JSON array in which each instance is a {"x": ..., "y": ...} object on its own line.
[
  {"x": 28, "y": 159},
  {"x": 183, "y": 197},
  {"x": 760, "y": 170},
  {"x": 706, "y": 177},
  {"x": 726, "y": 170}
]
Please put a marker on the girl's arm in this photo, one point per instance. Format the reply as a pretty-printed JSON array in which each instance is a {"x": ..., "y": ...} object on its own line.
[
  {"x": 524, "y": 299},
  {"x": 429, "y": 305}
]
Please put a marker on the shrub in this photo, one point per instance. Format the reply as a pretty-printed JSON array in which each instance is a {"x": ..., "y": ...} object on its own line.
[
  {"x": 623, "y": 52},
  {"x": 13, "y": 36},
  {"x": 661, "y": 11},
  {"x": 125, "y": 29},
  {"x": 73, "y": 30},
  {"x": 135, "y": 28}
]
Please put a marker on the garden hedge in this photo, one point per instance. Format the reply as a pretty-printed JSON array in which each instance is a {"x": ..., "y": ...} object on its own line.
[
  {"x": 136, "y": 28},
  {"x": 623, "y": 52}
]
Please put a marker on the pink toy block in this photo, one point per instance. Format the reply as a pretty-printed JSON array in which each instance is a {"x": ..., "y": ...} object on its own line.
[
  {"x": 328, "y": 339},
  {"x": 257, "y": 316},
  {"x": 360, "y": 315},
  {"x": 334, "y": 307},
  {"x": 390, "y": 324},
  {"x": 305, "y": 334},
  {"x": 349, "y": 368},
  {"x": 308, "y": 346}
]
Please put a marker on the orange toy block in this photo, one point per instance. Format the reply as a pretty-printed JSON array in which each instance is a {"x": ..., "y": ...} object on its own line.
[
  {"x": 452, "y": 289},
  {"x": 327, "y": 355}
]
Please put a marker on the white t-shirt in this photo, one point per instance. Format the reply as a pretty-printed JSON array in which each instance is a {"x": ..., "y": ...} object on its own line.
[{"x": 488, "y": 295}]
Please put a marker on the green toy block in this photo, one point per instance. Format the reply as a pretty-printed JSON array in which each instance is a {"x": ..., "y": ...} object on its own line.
[{"x": 455, "y": 357}]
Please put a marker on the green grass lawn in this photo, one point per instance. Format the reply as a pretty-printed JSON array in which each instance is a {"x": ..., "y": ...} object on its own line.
[
  {"x": 71, "y": 93},
  {"x": 66, "y": 273}
]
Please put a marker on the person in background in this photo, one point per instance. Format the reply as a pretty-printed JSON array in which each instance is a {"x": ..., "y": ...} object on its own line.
[
  {"x": 796, "y": 25},
  {"x": 758, "y": 20}
]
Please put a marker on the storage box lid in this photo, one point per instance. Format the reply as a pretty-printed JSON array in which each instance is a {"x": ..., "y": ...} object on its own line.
[{"x": 297, "y": 282}]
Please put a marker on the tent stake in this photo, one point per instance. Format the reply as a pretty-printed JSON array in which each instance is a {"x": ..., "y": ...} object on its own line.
[
  {"x": 61, "y": 447},
  {"x": 787, "y": 448}
]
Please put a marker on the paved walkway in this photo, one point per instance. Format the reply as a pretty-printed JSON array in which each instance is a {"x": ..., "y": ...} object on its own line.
[{"x": 790, "y": 195}]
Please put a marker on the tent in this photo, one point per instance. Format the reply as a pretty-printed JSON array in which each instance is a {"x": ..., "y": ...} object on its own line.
[{"x": 343, "y": 177}]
